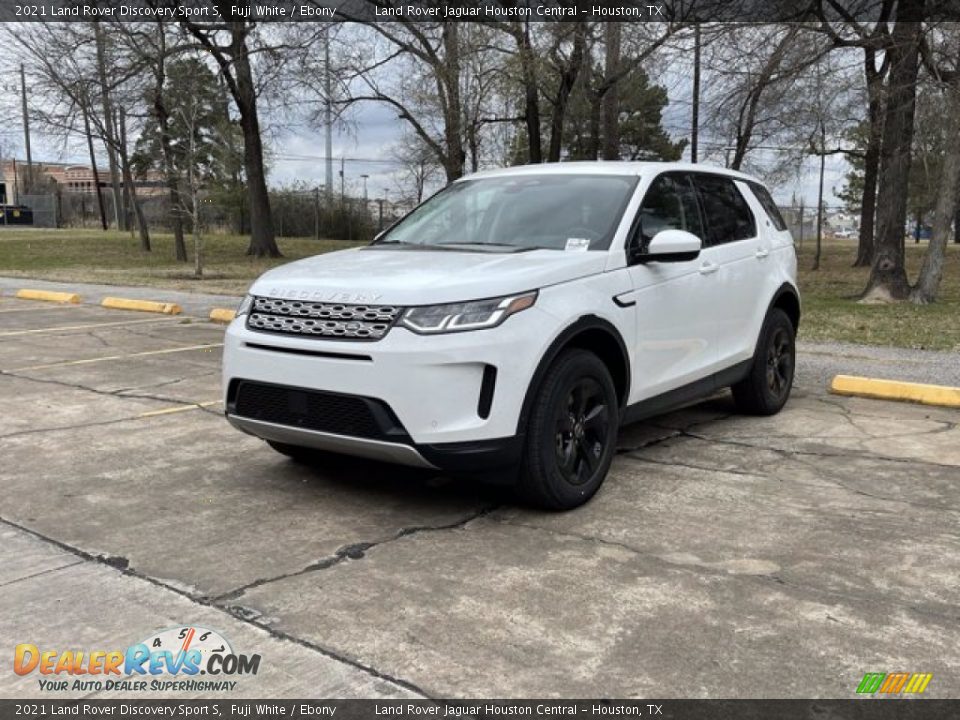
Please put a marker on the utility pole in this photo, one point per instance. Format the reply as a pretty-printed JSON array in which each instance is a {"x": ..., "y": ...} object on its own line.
[
  {"x": 316, "y": 213},
  {"x": 26, "y": 129},
  {"x": 342, "y": 180},
  {"x": 695, "y": 119},
  {"x": 364, "y": 189},
  {"x": 328, "y": 111}
]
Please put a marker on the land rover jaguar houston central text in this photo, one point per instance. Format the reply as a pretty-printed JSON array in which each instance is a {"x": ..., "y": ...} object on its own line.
[{"x": 512, "y": 323}]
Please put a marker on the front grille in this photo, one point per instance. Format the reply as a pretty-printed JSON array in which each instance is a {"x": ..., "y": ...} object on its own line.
[
  {"x": 321, "y": 319},
  {"x": 350, "y": 415}
]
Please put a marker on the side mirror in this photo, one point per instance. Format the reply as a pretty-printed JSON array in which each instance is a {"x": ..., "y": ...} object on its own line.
[{"x": 672, "y": 246}]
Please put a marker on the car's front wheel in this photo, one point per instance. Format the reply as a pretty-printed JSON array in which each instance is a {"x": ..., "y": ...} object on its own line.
[
  {"x": 766, "y": 389},
  {"x": 572, "y": 433}
]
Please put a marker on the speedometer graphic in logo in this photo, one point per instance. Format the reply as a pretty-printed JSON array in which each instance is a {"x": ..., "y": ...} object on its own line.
[{"x": 185, "y": 638}]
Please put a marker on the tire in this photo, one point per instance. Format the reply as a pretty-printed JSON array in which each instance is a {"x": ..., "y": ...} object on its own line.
[
  {"x": 572, "y": 433},
  {"x": 766, "y": 388}
]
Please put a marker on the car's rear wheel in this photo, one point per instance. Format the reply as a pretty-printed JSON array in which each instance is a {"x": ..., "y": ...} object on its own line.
[
  {"x": 766, "y": 389},
  {"x": 572, "y": 433}
]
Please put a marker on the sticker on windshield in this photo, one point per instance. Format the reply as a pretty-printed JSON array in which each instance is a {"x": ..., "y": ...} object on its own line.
[{"x": 578, "y": 244}]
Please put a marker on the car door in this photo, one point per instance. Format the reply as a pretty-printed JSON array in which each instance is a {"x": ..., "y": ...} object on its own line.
[
  {"x": 733, "y": 251},
  {"x": 676, "y": 335}
]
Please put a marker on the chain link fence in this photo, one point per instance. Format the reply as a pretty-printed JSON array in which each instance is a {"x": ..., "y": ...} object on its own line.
[{"x": 295, "y": 213}]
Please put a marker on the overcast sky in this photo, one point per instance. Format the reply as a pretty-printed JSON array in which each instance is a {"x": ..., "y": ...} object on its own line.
[{"x": 297, "y": 150}]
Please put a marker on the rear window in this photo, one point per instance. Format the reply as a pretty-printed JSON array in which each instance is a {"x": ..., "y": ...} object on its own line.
[
  {"x": 763, "y": 196},
  {"x": 727, "y": 215}
]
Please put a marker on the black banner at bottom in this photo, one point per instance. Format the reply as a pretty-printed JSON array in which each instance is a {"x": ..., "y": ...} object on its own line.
[{"x": 857, "y": 709}]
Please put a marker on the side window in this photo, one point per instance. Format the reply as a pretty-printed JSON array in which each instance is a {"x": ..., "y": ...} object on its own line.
[
  {"x": 669, "y": 204},
  {"x": 769, "y": 206},
  {"x": 726, "y": 213}
]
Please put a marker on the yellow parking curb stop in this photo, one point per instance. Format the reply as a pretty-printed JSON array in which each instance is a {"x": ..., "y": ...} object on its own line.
[
  {"x": 941, "y": 395},
  {"x": 48, "y": 295},
  {"x": 141, "y": 305},
  {"x": 222, "y": 315}
]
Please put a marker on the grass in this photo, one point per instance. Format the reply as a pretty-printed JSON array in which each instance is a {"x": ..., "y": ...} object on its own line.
[
  {"x": 831, "y": 312},
  {"x": 114, "y": 258}
]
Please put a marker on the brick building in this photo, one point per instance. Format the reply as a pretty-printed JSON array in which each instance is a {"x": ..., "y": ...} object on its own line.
[{"x": 65, "y": 177}]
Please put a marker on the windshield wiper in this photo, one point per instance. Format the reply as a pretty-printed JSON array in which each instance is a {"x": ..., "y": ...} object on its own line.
[{"x": 514, "y": 248}]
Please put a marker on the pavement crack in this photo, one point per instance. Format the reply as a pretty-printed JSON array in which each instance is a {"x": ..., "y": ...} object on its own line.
[
  {"x": 855, "y": 599},
  {"x": 353, "y": 551},
  {"x": 810, "y": 453},
  {"x": 118, "y": 393},
  {"x": 41, "y": 573},
  {"x": 122, "y": 566},
  {"x": 61, "y": 428},
  {"x": 703, "y": 468}
]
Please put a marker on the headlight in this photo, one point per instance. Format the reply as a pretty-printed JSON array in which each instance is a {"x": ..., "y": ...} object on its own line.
[
  {"x": 458, "y": 317},
  {"x": 245, "y": 305}
]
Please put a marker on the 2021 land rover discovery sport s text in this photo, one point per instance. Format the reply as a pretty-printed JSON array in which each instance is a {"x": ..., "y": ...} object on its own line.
[{"x": 510, "y": 324}]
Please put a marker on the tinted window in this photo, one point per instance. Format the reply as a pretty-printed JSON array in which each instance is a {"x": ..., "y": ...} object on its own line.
[
  {"x": 670, "y": 204},
  {"x": 768, "y": 205},
  {"x": 726, "y": 213}
]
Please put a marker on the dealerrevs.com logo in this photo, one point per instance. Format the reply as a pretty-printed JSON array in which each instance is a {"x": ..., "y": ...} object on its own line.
[{"x": 169, "y": 660}]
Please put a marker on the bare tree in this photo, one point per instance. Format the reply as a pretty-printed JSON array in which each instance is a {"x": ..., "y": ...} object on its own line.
[
  {"x": 943, "y": 63},
  {"x": 428, "y": 85},
  {"x": 229, "y": 45},
  {"x": 69, "y": 62},
  {"x": 849, "y": 30},
  {"x": 418, "y": 166},
  {"x": 109, "y": 132},
  {"x": 888, "y": 275},
  {"x": 153, "y": 45}
]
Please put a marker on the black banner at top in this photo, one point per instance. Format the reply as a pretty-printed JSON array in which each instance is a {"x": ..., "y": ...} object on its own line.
[{"x": 457, "y": 10}]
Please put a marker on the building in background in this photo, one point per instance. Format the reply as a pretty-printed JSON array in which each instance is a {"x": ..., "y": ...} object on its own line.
[{"x": 53, "y": 177}]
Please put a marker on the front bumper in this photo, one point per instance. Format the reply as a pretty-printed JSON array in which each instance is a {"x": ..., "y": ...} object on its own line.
[{"x": 457, "y": 398}]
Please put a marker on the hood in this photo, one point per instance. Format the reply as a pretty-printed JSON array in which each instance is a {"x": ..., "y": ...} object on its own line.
[{"x": 411, "y": 276}]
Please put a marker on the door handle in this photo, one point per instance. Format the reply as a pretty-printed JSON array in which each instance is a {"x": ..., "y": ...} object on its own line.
[
  {"x": 708, "y": 267},
  {"x": 762, "y": 253}
]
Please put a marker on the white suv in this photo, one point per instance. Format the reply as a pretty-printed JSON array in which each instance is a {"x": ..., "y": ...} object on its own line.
[{"x": 510, "y": 324}]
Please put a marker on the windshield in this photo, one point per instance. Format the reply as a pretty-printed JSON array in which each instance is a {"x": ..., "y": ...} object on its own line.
[{"x": 557, "y": 212}]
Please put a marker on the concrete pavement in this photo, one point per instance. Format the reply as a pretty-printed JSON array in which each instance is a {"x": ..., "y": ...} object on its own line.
[{"x": 725, "y": 556}]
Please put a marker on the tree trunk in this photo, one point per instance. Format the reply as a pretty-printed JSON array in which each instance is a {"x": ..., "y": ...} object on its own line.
[
  {"x": 871, "y": 162},
  {"x": 568, "y": 77},
  {"x": 119, "y": 211},
  {"x": 931, "y": 271},
  {"x": 180, "y": 247},
  {"x": 531, "y": 95},
  {"x": 449, "y": 76},
  {"x": 611, "y": 98},
  {"x": 169, "y": 171},
  {"x": 888, "y": 275},
  {"x": 263, "y": 243},
  {"x": 93, "y": 167},
  {"x": 956, "y": 225},
  {"x": 131, "y": 187}
]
